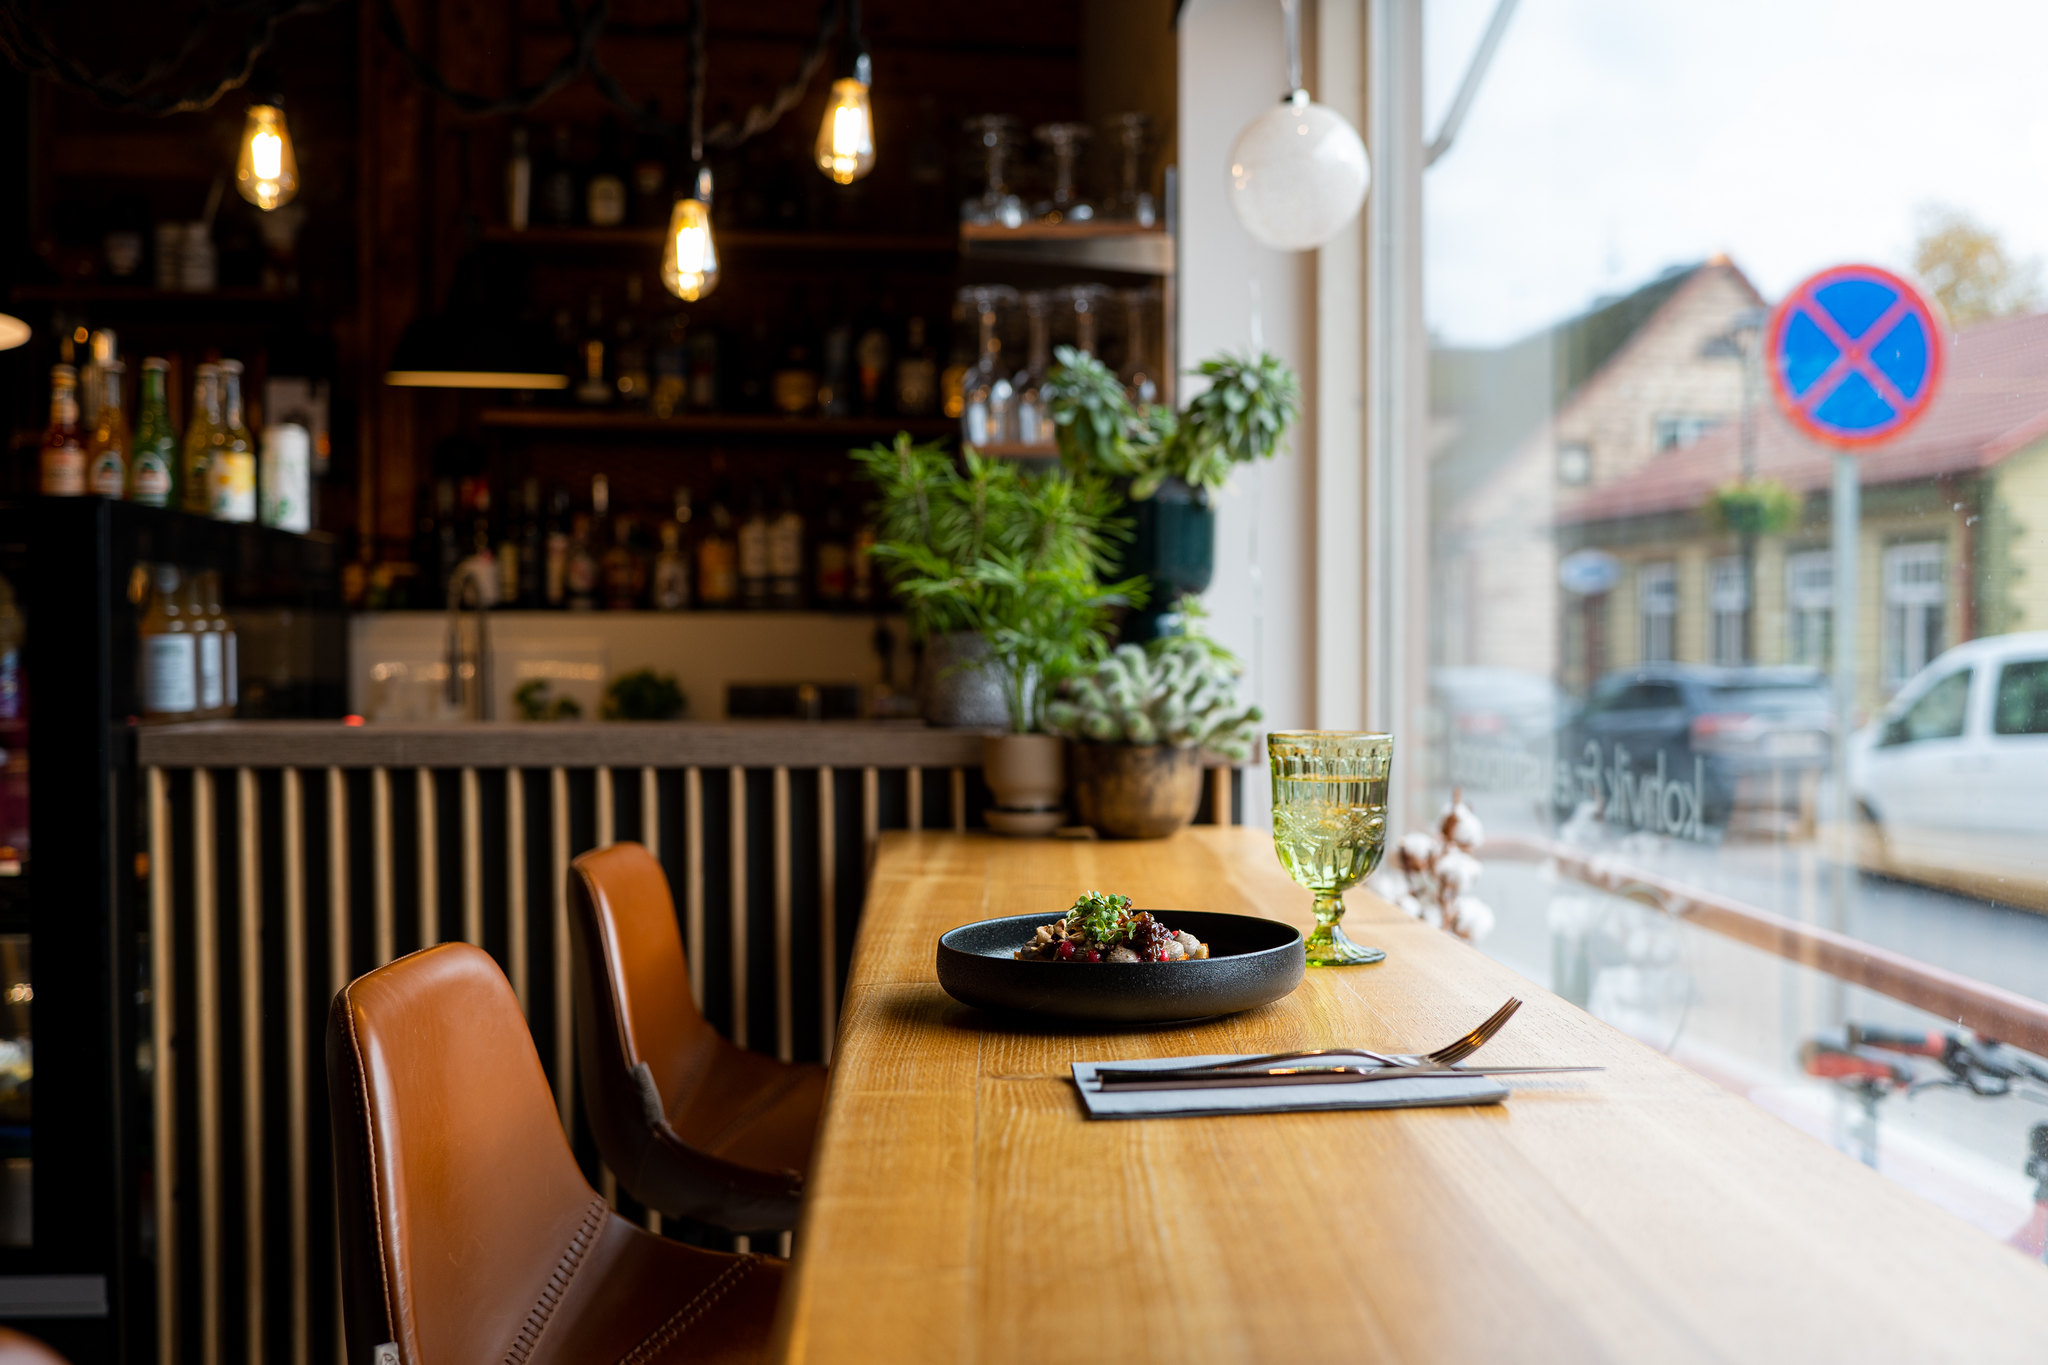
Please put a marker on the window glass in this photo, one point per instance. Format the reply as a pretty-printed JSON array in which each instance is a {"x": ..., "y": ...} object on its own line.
[
  {"x": 1939, "y": 713},
  {"x": 1809, "y": 602},
  {"x": 1657, "y": 599},
  {"x": 1914, "y": 601},
  {"x": 2021, "y": 707},
  {"x": 1623, "y": 519}
]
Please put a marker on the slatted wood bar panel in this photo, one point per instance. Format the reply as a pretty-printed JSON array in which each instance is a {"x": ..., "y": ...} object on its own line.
[{"x": 288, "y": 858}]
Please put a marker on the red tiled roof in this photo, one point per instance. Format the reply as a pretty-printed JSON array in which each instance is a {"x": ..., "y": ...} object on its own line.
[{"x": 1993, "y": 403}]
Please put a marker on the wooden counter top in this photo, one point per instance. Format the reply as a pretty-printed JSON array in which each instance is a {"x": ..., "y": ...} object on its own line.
[{"x": 962, "y": 1209}]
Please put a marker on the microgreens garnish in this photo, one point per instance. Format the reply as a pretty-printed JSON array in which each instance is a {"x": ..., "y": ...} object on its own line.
[{"x": 1102, "y": 917}]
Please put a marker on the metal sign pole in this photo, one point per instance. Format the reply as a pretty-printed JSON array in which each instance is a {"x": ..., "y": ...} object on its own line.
[{"x": 1847, "y": 512}]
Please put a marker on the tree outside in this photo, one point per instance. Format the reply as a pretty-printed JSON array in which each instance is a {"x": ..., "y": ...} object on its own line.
[{"x": 1967, "y": 268}]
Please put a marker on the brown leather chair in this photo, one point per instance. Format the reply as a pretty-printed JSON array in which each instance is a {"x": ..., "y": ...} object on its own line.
[
  {"x": 19, "y": 1348},
  {"x": 689, "y": 1123},
  {"x": 467, "y": 1232}
]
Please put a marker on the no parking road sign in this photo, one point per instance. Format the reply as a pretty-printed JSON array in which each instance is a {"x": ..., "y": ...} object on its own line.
[{"x": 1854, "y": 355}]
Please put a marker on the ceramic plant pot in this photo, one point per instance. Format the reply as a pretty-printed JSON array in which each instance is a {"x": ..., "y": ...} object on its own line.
[
  {"x": 1173, "y": 544},
  {"x": 1133, "y": 791},
  {"x": 1027, "y": 775},
  {"x": 960, "y": 689}
]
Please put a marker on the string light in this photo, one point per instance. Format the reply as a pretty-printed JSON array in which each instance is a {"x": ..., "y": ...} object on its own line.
[
  {"x": 689, "y": 258},
  {"x": 846, "y": 136},
  {"x": 267, "y": 173}
]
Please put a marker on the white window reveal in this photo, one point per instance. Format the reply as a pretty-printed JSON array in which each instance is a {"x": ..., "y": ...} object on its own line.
[
  {"x": 1809, "y": 607},
  {"x": 1727, "y": 606},
  {"x": 1575, "y": 463},
  {"x": 1915, "y": 608},
  {"x": 1657, "y": 605}
]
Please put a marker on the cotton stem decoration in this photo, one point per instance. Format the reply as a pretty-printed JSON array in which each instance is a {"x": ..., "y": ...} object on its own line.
[{"x": 1433, "y": 872}]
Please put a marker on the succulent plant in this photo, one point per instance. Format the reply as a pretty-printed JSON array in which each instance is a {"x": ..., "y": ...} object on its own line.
[{"x": 1179, "y": 690}]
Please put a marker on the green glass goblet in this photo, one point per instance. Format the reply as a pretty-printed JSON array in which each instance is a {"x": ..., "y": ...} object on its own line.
[{"x": 1330, "y": 824}]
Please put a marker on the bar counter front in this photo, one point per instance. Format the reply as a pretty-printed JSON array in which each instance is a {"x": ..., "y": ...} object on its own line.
[{"x": 962, "y": 1208}]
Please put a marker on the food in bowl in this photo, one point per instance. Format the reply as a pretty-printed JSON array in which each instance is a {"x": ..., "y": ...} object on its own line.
[{"x": 1102, "y": 927}]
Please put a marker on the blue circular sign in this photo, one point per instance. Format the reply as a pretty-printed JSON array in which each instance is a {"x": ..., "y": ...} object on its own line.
[{"x": 1854, "y": 355}]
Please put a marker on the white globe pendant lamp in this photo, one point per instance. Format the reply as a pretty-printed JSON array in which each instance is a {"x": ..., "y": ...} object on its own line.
[{"x": 1298, "y": 173}]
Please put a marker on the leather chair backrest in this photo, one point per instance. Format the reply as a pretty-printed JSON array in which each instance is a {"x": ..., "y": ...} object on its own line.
[
  {"x": 633, "y": 1003},
  {"x": 457, "y": 1190}
]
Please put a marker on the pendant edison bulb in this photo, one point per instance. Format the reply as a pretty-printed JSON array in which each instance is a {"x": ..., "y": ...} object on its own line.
[
  {"x": 846, "y": 138},
  {"x": 266, "y": 173},
  {"x": 1298, "y": 174},
  {"x": 689, "y": 259}
]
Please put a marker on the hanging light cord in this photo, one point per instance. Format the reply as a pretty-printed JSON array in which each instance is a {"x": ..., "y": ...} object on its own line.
[
  {"x": 1290, "y": 20},
  {"x": 31, "y": 48}
]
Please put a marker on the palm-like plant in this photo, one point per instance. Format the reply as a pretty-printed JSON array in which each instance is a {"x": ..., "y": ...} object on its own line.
[{"x": 1017, "y": 557}]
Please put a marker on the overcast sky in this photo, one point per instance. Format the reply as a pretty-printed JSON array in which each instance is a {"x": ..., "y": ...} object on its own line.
[{"x": 1615, "y": 137}]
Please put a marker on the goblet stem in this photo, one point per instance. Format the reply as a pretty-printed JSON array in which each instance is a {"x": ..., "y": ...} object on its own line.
[{"x": 1328, "y": 945}]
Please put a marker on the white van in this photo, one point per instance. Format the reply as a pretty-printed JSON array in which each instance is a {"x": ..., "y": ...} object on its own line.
[{"x": 1952, "y": 780}]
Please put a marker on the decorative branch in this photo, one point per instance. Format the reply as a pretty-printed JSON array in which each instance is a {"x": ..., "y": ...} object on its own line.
[{"x": 1434, "y": 869}]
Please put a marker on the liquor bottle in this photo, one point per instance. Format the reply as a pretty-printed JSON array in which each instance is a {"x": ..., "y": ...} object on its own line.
[
  {"x": 231, "y": 472},
  {"x": 558, "y": 181},
  {"x": 861, "y": 566},
  {"x": 207, "y": 643},
  {"x": 629, "y": 351},
  {"x": 583, "y": 571},
  {"x": 786, "y": 549},
  {"x": 531, "y": 549},
  {"x": 704, "y": 388},
  {"x": 836, "y": 384},
  {"x": 604, "y": 194},
  {"x": 718, "y": 576},
  {"x": 756, "y": 365},
  {"x": 652, "y": 198},
  {"x": 871, "y": 368},
  {"x": 152, "y": 477},
  {"x": 594, "y": 389},
  {"x": 63, "y": 460},
  {"x": 953, "y": 379},
  {"x": 107, "y": 454},
  {"x": 101, "y": 348},
  {"x": 830, "y": 556},
  {"x": 671, "y": 393},
  {"x": 625, "y": 576},
  {"x": 555, "y": 577},
  {"x": 755, "y": 574},
  {"x": 518, "y": 183},
  {"x": 447, "y": 545},
  {"x": 917, "y": 373},
  {"x": 794, "y": 385},
  {"x": 170, "y": 652},
  {"x": 224, "y": 627},
  {"x": 671, "y": 570},
  {"x": 202, "y": 433}
]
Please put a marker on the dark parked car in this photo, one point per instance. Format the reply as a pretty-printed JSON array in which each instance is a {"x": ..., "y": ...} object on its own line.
[{"x": 1675, "y": 748}]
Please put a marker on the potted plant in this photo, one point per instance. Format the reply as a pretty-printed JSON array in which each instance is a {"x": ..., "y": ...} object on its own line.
[
  {"x": 1171, "y": 463},
  {"x": 1138, "y": 723},
  {"x": 1016, "y": 557}
]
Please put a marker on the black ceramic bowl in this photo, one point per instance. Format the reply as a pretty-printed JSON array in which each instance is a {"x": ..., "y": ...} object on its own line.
[{"x": 1250, "y": 962}]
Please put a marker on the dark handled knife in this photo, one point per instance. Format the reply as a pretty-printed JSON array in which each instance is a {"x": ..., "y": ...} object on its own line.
[{"x": 1203, "y": 1078}]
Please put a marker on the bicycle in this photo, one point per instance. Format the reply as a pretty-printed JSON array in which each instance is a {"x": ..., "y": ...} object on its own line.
[{"x": 1874, "y": 1063}]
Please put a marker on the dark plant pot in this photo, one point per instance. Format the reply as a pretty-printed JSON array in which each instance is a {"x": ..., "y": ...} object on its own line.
[
  {"x": 1133, "y": 791},
  {"x": 960, "y": 689},
  {"x": 1173, "y": 543}
]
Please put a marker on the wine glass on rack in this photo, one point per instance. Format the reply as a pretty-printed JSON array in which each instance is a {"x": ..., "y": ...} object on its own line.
[
  {"x": 1132, "y": 134},
  {"x": 995, "y": 139},
  {"x": 988, "y": 413},
  {"x": 1034, "y": 424},
  {"x": 1066, "y": 204},
  {"x": 1330, "y": 824},
  {"x": 1139, "y": 374},
  {"x": 1080, "y": 315}
]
